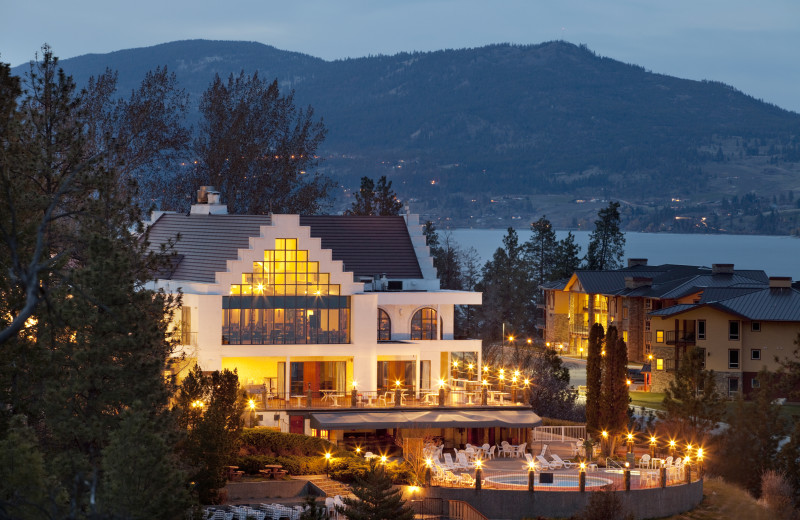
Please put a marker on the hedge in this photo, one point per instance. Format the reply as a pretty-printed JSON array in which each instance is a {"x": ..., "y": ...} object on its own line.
[{"x": 263, "y": 441}]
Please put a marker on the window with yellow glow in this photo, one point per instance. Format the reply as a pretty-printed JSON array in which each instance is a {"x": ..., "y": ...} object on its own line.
[{"x": 285, "y": 300}]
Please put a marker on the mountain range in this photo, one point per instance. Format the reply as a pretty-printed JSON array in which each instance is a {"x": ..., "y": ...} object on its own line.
[{"x": 498, "y": 135}]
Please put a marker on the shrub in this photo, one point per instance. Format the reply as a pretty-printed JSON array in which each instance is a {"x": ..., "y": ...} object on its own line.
[
  {"x": 264, "y": 441},
  {"x": 776, "y": 493},
  {"x": 294, "y": 465},
  {"x": 604, "y": 505}
]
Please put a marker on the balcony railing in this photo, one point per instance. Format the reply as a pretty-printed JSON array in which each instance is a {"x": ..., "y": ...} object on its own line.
[
  {"x": 508, "y": 396},
  {"x": 684, "y": 337},
  {"x": 188, "y": 338},
  {"x": 579, "y": 328}
]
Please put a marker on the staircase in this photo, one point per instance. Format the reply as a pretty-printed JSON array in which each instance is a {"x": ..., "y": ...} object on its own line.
[{"x": 328, "y": 486}]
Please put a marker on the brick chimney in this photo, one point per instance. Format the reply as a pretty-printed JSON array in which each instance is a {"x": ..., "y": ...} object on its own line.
[
  {"x": 780, "y": 282},
  {"x": 721, "y": 268},
  {"x": 634, "y": 282},
  {"x": 208, "y": 202},
  {"x": 636, "y": 262}
]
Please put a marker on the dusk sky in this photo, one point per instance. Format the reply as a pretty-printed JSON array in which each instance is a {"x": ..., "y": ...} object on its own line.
[{"x": 750, "y": 45}]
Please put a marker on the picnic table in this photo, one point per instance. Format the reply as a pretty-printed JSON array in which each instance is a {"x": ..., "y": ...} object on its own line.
[
  {"x": 272, "y": 471},
  {"x": 234, "y": 473}
]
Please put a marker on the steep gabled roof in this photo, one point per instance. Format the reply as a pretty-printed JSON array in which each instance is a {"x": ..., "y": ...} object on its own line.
[
  {"x": 206, "y": 242},
  {"x": 367, "y": 245}
]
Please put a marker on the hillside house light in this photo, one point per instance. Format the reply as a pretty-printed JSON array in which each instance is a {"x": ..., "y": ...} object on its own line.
[
  {"x": 197, "y": 404},
  {"x": 628, "y": 382},
  {"x": 530, "y": 341},
  {"x": 603, "y": 352}
]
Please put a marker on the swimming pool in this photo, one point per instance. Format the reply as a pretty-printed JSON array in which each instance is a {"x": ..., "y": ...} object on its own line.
[{"x": 560, "y": 482}]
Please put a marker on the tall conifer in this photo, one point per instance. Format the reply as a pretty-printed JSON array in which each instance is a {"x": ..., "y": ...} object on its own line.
[{"x": 594, "y": 374}]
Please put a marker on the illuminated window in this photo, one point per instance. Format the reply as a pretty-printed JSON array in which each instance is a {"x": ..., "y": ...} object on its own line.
[
  {"x": 625, "y": 336},
  {"x": 285, "y": 300},
  {"x": 659, "y": 364},
  {"x": 423, "y": 324},
  {"x": 384, "y": 326},
  {"x": 659, "y": 336}
]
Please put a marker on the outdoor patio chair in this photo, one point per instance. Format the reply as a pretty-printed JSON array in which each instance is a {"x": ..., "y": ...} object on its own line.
[
  {"x": 566, "y": 463},
  {"x": 544, "y": 463},
  {"x": 451, "y": 478},
  {"x": 449, "y": 464},
  {"x": 491, "y": 452},
  {"x": 507, "y": 449},
  {"x": 544, "y": 450},
  {"x": 644, "y": 462},
  {"x": 462, "y": 460},
  {"x": 529, "y": 459},
  {"x": 467, "y": 480},
  {"x": 678, "y": 463},
  {"x": 330, "y": 505},
  {"x": 668, "y": 461},
  {"x": 520, "y": 450}
]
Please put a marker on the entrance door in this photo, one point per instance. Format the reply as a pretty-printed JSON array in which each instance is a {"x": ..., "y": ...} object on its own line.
[{"x": 296, "y": 424}]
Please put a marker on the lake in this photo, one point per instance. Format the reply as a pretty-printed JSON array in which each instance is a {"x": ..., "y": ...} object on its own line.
[{"x": 777, "y": 255}]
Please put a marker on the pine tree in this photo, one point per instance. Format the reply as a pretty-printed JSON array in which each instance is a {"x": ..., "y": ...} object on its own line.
[
  {"x": 567, "y": 257},
  {"x": 386, "y": 201},
  {"x": 614, "y": 392},
  {"x": 375, "y": 498},
  {"x": 693, "y": 406},
  {"x": 607, "y": 241},
  {"x": 540, "y": 252},
  {"x": 594, "y": 381},
  {"x": 365, "y": 198}
]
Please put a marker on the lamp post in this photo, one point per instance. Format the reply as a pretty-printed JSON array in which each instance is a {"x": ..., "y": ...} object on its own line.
[
  {"x": 672, "y": 449},
  {"x": 428, "y": 465},
  {"x": 582, "y": 478},
  {"x": 354, "y": 395},
  {"x": 252, "y": 405},
  {"x": 652, "y": 447},
  {"x": 478, "y": 474},
  {"x": 700, "y": 471},
  {"x": 327, "y": 463},
  {"x": 531, "y": 476}
]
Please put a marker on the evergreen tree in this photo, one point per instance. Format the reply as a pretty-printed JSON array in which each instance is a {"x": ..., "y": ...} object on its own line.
[
  {"x": 210, "y": 408},
  {"x": 375, "y": 200},
  {"x": 506, "y": 292},
  {"x": 551, "y": 394},
  {"x": 594, "y": 375},
  {"x": 540, "y": 252},
  {"x": 365, "y": 198},
  {"x": 375, "y": 498},
  {"x": 607, "y": 241},
  {"x": 614, "y": 393},
  {"x": 692, "y": 403},
  {"x": 755, "y": 430},
  {"x": 567, "y": 258},
  {"x": 446, "y": 257},
  {"x": 386, "y": 201},
  {"x": 100, "y": 342},
  {"x": 135, "y": 450}
]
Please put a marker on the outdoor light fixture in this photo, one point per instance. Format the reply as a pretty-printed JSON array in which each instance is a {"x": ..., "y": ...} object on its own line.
[
  {"x": 429, "y": 462},
  {"x": 529, "y": 341},
  {"x": 485, "y": 368},
  {"x": 527, "y": 382},
  {"x": 583, "y": 466},
  {"x": 516, "y": 373},
  {"x": 628, "y": 382},
  {"x": 455, "y": 364},
  {"x": 327, "y": 455},
  {"x": 652, "y": 440},
  {"x": 358, "y": 450},
  {"x": 442, "y": 382},
  {"x": 251, "y": 404},
  {"x": 470, "y": 366},
  {"x": 671, "y": 444},
  {"x": 354, "y": 384},
  {"x": 485, "y": 382},
  {"x": 532, "y": 466},
  {"x": 699, "y": 453},
  {"x": 511, "y": 338},
  {"x": 478, "y": 464},
  {"x": 383, "y": 459},
  {"x": 630, "y": 436},
  {"x": 605, "y": 434},
  {"x": 397, "y": 383}
]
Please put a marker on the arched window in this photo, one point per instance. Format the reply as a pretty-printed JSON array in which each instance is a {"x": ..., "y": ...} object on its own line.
[
  {"x": 384, "y": 326},
  {"x": 423, "y": 324}
]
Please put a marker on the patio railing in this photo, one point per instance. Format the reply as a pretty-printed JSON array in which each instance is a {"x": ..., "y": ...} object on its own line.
[{"x": 388, "y": 399}]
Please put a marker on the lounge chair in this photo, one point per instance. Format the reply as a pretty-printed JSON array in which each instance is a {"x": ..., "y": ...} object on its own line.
[
  {"x": 461, "y": 459},
  {"x": 544, "y": 463},
  {"x": 565, "y": 463},
  {"x": 544, "y": 450},
  {"x": 449, "y": 464},
  {"x": 468, "y": 481}
]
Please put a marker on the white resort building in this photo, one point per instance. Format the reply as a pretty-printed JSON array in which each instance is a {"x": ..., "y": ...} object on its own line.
[{"x": 309, "y": 308}]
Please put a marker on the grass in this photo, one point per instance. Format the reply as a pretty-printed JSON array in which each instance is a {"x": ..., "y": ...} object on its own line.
[
  {"x": 722, "y": 501},
  {"x": 647, "y": 399}
]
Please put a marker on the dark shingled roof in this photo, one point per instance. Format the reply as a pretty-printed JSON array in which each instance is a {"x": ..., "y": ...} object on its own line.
[
  {"x": 367, "y": 245},
  {"x": 206, "y": 242}
]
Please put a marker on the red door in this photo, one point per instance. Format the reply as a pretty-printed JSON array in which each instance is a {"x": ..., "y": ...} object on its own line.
[{"x": 297, "y": 424}]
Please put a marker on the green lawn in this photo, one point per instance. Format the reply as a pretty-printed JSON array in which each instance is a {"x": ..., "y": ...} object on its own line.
[{"x": 647, "y": 399}]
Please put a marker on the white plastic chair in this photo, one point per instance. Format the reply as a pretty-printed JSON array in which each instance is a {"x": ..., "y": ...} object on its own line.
[{"x": 644, "y": 462}]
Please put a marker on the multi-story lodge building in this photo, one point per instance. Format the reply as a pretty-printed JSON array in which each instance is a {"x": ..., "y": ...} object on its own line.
[
  {"x": 662, "y": 310},
  {"x": 309, "y": 308}
]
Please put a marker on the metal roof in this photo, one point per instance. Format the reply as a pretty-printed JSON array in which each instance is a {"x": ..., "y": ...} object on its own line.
[
  {"x": 765, "y": 304},
  {"x": 367, "y": 245},
  {"x": 206, "y": 242}
]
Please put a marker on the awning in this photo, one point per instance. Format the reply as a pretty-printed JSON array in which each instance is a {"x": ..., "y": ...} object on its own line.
[{"x": 483, "y": 418}]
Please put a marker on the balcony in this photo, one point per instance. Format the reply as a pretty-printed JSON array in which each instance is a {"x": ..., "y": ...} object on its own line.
[
  {"x": 680, "y": 337},
  {"x": 579, "y": 328},
  {"x": 329, "y": 399}
]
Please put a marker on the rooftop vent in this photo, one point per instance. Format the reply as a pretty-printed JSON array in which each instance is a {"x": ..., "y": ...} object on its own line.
[
  {"x": 721, "y": 268},
  {"x": 636, "y": 262}
]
